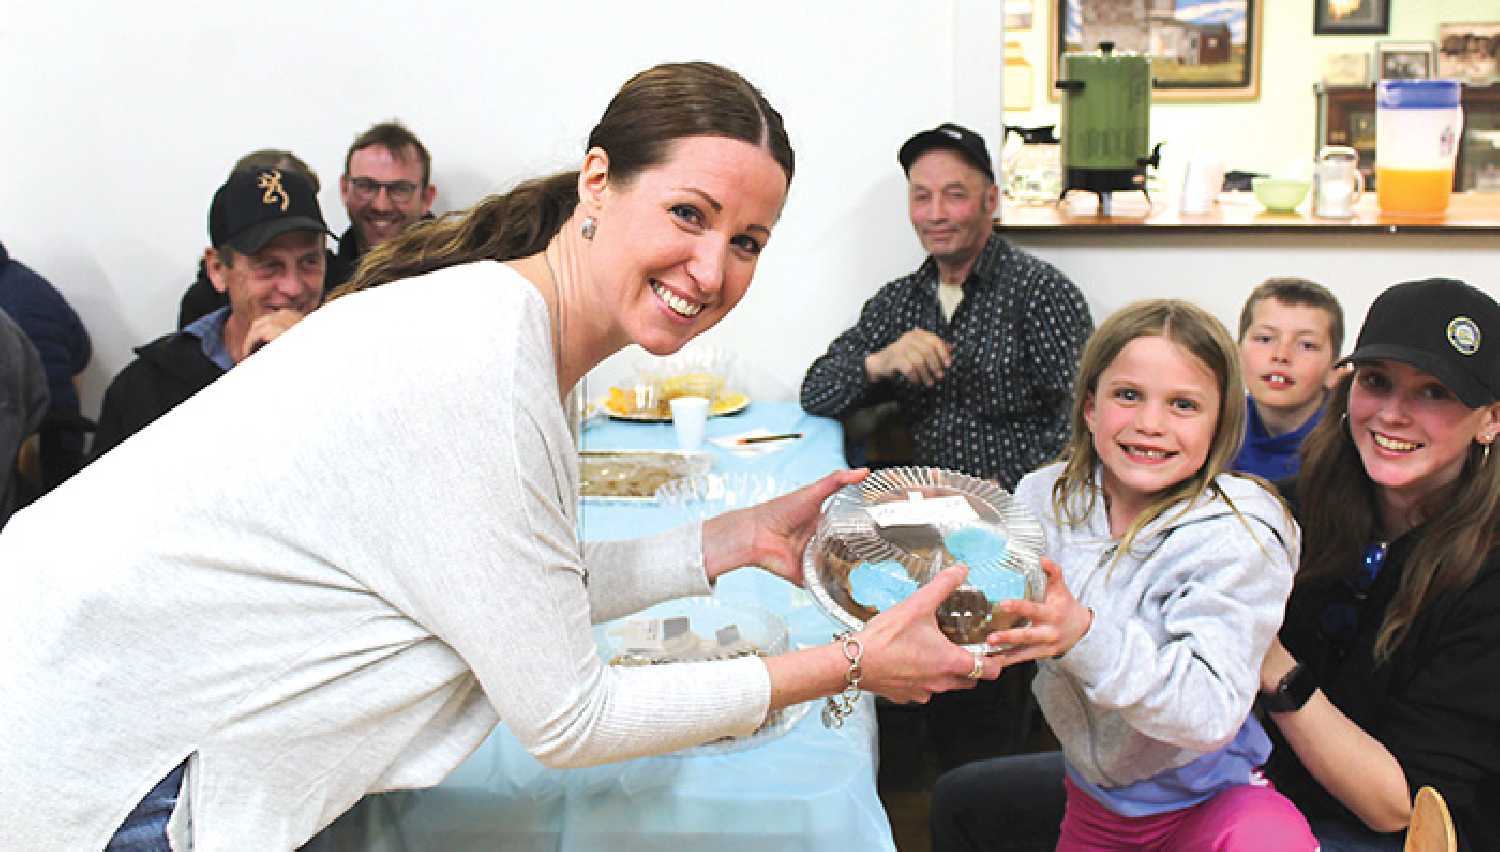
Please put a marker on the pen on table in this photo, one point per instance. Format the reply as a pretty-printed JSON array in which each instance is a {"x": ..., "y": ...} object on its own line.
[{"x": 761, "y": 439}]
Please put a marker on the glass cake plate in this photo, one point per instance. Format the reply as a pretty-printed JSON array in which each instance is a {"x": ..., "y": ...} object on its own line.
[
  {"x": 880, "y": 540},
  {"x": 696, "y": 629}
]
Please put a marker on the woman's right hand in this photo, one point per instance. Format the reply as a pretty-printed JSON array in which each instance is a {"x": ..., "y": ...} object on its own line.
[{"x": 907, "y": 658}]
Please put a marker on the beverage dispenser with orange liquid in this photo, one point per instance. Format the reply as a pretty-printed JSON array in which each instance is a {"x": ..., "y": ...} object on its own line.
[{"x": 1418, "y": 125}]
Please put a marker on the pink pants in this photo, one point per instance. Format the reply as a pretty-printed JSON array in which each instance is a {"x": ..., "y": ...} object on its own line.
[{"x": 1249, "y": 817}]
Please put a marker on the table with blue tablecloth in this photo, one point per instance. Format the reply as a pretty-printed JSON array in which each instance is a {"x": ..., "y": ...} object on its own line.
[{"x": 810, "y": 788}]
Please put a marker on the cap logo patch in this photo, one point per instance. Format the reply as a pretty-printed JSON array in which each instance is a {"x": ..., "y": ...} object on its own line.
[
  {"x": 1463, "y": 334},
  {"x": 274, "y": 193},
  {"x": 951, "y": 133}
]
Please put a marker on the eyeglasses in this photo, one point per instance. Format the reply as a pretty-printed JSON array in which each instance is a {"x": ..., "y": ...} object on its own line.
[
  {"x": 400, "y": 191},
  {"x": 1340, "y": 617}
]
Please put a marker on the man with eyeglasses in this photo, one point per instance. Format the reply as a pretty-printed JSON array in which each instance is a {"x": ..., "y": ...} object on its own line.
[
  {"x": 268, "y": 258},
  {"x": 386, "y": 186}
]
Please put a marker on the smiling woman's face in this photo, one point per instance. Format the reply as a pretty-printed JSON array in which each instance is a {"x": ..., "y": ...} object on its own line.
[
  {"x": 676, "y": 247},
  {"x": 1412, "y": 432}
]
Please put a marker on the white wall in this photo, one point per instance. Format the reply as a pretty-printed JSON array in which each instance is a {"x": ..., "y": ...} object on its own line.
[{"x": 122, "y": 119}]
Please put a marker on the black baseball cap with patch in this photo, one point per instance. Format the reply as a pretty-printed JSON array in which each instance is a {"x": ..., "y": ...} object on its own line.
[
  {"x": 1441, "y": 326},
  {"x": 257, "y": 205},
  {"x": 960, "y": 139}
]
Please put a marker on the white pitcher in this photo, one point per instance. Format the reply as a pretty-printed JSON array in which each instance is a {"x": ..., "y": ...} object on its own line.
[{"x": 1337, "y": 182}]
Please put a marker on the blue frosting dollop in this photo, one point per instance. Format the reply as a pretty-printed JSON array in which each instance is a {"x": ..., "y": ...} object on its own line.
[
  {"x": 880, "y": 585},
  {"x": 984, "y": 551}
]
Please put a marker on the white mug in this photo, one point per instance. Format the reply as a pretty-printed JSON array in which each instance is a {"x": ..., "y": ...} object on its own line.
[{"x": 689, "y": 418}]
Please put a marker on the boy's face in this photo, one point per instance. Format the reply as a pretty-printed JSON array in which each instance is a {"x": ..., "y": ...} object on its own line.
[{"x": 1287, "y": 355}]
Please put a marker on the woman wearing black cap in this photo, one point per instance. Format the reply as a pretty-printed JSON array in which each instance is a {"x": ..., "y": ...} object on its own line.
[{"x": 1386, "y": 677}]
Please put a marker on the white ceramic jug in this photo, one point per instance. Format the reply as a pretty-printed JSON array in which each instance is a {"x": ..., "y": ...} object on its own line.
[{"x": 1337, "y": 182}]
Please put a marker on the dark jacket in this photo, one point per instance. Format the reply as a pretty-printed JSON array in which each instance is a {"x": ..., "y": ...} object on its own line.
[
  {"x": 166, "y": 372},
  {"x": 65, "y": 348},
  {"x": 23, "y": 402},
  {"x": 1435, "y": 704}
]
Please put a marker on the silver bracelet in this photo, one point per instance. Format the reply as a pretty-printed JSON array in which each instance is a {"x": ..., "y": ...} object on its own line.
[{"x": 839, "y": 707}]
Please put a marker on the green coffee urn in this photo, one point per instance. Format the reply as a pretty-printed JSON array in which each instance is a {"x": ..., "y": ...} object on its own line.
[{"x": 1106, "y": 122}]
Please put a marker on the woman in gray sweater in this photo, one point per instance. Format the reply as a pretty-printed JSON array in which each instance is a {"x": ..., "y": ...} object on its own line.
[{"x": 335, "y": 569}]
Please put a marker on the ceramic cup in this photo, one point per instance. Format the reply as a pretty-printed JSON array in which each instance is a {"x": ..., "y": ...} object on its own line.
[{"x": 689, "y": 417}]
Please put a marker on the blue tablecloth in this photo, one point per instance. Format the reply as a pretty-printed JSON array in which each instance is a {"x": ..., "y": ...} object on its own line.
[{"x": 809, "y": 789}]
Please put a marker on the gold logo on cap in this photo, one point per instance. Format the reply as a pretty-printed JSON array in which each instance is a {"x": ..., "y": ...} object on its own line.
[
  {"x": 1463, "y": 334},
  {"x": 274, "y": 192}
]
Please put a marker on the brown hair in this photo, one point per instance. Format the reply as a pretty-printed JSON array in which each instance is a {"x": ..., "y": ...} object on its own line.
[
  {"x": 394, "y": 137},
  {"x": 1203, "y": 336},
  {"x": 652, "y": 110},
  {"x": 1297, "y": 291},
  {"x": 1339, "y": 511}
]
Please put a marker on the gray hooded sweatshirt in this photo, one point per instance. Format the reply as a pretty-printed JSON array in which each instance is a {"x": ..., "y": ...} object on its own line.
[{"x": 1169, "y": 669}]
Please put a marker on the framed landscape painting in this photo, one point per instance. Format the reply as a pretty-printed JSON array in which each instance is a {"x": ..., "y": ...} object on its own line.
[{"x": 1200, "y": 49}]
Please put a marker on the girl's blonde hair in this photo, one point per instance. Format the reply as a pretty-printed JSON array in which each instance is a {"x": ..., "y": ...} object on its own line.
[{"x": 1074, "y": 495}]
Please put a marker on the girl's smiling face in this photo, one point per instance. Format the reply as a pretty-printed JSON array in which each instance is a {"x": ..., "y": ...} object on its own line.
[{"x": 1152, "y": 415}]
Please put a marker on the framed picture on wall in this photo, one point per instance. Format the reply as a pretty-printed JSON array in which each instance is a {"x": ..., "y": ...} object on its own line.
[
  {"x": 1468, "y": 52},
  {"x": 1406, "y": 60},
  {"x": 1346, "y": 69},
  {"x": 1203, "y": 50},
  {"x": 1351, "y": 17}
]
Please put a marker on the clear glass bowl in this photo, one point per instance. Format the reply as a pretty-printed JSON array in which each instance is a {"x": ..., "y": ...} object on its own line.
[
  {"x": 716, "y": 630},
  {"x": 851, "y": 537}
]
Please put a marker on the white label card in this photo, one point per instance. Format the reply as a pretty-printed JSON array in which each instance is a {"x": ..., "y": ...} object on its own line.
[{"x": 933, "y": 510}]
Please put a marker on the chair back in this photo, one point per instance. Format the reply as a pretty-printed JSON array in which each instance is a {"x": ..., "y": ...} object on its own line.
[{"x": 1431, "y": 828}]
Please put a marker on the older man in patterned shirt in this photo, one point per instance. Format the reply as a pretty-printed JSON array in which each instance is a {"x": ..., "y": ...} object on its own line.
[{"x": 978, "y": 348}]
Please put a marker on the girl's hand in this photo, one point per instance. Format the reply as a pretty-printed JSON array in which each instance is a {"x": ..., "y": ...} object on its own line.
[
  {"x": 773, "y": 534},
  {"x": 907, "y": 658},
  {"x": 1057, "y": 623}
]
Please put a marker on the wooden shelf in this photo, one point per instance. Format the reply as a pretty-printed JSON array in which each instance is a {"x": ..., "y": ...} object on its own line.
[{"x": 1239, "y": 211}]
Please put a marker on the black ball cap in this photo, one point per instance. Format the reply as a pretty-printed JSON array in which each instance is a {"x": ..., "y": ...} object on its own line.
[
  {"x": 257, "y": 205},
  {"x": 1440, "y": 326},
  {"x": 960, "y": 139}
]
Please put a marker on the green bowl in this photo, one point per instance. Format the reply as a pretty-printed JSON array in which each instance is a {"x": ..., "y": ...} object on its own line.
[{"x": 1280, "y": 195}]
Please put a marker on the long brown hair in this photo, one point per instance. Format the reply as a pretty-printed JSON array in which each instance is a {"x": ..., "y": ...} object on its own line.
[
  {"x": 1339, "y": 512},
  {"x": 652, "y": 110},
  {"x": 1201, "y": 334}
]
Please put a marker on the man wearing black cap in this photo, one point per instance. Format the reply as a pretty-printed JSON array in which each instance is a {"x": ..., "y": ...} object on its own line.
[
  {"x": 268, "y": 259},
  {"x": 978, "y": 348}
]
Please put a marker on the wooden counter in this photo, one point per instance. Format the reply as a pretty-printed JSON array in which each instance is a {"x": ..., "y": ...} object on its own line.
[{"x": 1239, "y": 211}]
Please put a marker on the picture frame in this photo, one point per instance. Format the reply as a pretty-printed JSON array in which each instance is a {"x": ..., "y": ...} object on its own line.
[
  {"x": 1200, "y": 52},
  {"x": 1346, "y": 69},
  {"x": 1351, "y": 17},
  {"x": 1018, "y": 15},
  {"x": 1468, "y": 52},
  {"x": 1405, "y": 60}
]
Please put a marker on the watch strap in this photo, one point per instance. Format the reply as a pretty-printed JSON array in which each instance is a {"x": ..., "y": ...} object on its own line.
[{"x": 1292, "y": 692}]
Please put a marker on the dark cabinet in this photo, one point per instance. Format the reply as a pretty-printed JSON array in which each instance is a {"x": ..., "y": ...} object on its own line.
[{"x": 1346, "y": 116}]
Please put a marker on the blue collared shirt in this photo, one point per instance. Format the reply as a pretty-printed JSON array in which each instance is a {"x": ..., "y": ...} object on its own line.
[{"x": 209, "y": 329}]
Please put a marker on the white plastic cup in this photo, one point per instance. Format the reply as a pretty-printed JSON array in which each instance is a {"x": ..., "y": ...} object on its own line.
[
  {"x": 1201, "y": 182},
  {"x": 689, "y": 417}
]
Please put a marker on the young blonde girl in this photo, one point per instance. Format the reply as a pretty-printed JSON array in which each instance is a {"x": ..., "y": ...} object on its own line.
[{"x": 1167, "y": 578}]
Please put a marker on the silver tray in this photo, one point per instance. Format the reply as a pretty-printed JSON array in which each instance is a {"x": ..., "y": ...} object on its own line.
[
  {"x": 633, "y": 476},
  {"x": 846, "y": 536}
]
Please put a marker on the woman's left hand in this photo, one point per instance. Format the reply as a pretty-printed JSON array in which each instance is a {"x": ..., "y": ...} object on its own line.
[
  {"x": 773, "y": 534},
  {"x": 1057, "y": 622}
]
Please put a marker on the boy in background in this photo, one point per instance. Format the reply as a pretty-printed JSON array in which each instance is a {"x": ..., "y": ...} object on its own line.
[{"x": 1291, "y": 332}]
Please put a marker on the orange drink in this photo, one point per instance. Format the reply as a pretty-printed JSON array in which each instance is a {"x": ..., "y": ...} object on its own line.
[{"x": 1413, "y": 191}]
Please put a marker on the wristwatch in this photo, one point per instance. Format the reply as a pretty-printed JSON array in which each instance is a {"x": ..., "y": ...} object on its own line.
[{"x": 1293, "y": 690}]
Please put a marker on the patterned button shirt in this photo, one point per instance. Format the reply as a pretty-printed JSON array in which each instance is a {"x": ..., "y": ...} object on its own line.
[{"x": 1002, "y": 409}]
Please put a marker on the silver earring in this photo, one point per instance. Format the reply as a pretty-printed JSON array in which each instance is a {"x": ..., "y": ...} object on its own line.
[{"x": 588, "y": 228}]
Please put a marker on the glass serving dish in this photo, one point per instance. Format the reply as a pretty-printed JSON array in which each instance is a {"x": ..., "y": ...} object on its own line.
[
  {"x": 635, "y": 476},
  {"x": 698, "y": 629},
  {"x": 880, "y": 540}
]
